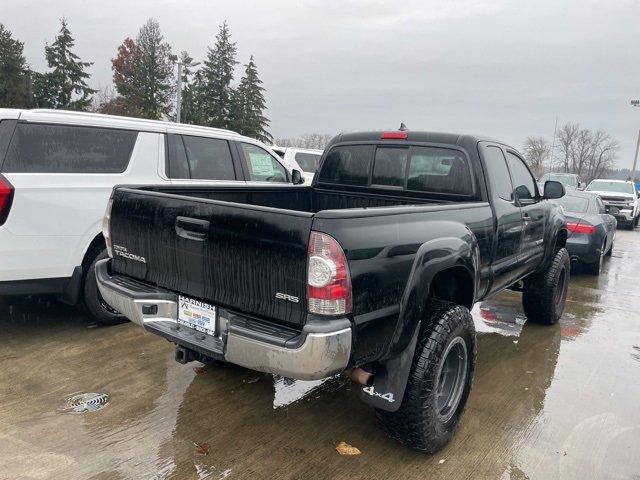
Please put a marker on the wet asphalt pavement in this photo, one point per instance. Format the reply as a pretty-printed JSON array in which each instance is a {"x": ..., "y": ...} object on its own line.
[{"x": 548, "y": 402}]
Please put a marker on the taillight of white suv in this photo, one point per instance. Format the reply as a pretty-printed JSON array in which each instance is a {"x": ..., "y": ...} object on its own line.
[
  {"x": 328, "y": 280},
  {"x": 6, "y": 197}
]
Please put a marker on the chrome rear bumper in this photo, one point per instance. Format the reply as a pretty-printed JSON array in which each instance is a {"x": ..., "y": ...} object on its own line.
[{"x": 320, "y": 350}]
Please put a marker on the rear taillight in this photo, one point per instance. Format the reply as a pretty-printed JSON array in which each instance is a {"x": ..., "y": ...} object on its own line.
[
  {"x": 106, "y": 224},
  {"x": 577, "y": 227},
  {"x": 6, "y": 198},
  {"x": 328, "y": 280}
]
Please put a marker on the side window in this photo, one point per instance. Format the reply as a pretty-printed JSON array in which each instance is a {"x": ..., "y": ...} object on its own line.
[
  {"x": 6, "y": 131},
  {"x": 499, "y": 177},
  {"x": 389, "y": 166},
  {"x": 178, "y": 163},
  {"x": 525, "y": 185},
  {"x": 261, "y": 165},
  {"x": 439, "y": 170},
  {"x": 208, "y": 158},
  {"x": 347, "y": 165},
  {"x": 46, "y": 148}
]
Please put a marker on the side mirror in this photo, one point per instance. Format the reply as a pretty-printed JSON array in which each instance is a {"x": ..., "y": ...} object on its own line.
[
  {"x": 553, "y": 190},
  {"x": 296, "y": 177}
]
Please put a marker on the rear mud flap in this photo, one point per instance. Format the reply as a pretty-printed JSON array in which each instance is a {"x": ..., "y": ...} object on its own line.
[{"x": 390, "y": 379}]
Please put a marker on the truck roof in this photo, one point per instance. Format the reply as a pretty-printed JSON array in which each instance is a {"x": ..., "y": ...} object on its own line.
[{"x": 415, "y": 136}]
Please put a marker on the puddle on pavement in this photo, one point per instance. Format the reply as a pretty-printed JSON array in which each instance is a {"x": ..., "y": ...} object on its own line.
[
  {"x": 288, "y": 391},
  {"x": 501, "y": 318}
]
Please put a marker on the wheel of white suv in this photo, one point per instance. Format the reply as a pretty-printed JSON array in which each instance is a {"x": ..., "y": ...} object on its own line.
[{"x": 93, "y": 302}]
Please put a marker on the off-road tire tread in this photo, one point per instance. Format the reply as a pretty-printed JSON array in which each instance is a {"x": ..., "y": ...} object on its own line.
[
  {"x": 415, "y": 423},
  {"x": 538, "y": 295}
]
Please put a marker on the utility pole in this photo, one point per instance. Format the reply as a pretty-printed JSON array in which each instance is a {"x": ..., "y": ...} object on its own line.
[
  {"x": 635, "y": 103},
  {"x": 180, "y": 64},
  {"x": 553, "y": 145},
  {"x": 179, "y": 93}
]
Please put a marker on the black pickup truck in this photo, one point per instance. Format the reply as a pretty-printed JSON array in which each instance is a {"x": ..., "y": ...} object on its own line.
[{"x": 370, "y": 271}]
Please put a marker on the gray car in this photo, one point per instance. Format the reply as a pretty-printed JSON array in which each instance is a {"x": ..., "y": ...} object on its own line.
[{"x": 591, "y": 229}]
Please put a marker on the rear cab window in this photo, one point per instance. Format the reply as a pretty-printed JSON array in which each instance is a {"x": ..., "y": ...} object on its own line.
[
  {"x": 416, "y": 168},
  {"x": 49, "y": 148}
]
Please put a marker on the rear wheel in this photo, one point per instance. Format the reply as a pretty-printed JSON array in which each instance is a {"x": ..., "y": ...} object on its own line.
[
  {"x": 545, "y": 293},
  {"x": 93, "y": 302},
  {"x": 439, "y": 382},
  {"x": 595, "y": 267}
]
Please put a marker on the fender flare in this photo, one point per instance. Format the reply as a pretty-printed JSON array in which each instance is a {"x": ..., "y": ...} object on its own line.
[{"x": 433, "y": 257}]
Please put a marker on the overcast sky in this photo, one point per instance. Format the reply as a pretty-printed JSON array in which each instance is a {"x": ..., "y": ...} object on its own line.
[{"x": 502, "y": 68}]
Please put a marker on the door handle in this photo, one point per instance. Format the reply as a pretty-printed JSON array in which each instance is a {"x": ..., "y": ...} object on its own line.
[
  {"x": 192, "y": 228},
  {"x": 526, "y": 218}
]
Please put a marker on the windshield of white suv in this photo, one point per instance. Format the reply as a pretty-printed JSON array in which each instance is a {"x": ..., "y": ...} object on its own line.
[{"x": 608, "y": 186}]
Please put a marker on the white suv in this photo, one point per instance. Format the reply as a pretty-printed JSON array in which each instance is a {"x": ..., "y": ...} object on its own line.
[
  {"x": 305, "y": 159},
  {"x": 57, "y": 170}
]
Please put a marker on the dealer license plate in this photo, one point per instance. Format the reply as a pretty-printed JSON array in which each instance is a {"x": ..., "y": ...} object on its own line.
[{"x": 197, "y": 315}]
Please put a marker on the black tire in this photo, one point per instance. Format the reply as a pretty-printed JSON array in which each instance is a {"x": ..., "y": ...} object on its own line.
[
  {"x": 595, "y": 267},
  {"x": 427, "y": 418},
  {"x": 92, "y": 301},
  {"x": 610, "y": 251},
  {"x": 545, "y": 293}
]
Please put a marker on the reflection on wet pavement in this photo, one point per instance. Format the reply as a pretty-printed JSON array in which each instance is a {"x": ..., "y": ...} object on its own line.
[{"x": 548, "y": 402}]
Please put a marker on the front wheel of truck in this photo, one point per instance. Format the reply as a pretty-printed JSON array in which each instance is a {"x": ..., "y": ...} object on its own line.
[
  {"x": 545, "y": 293},
  {"x": 439, "y": 381}
]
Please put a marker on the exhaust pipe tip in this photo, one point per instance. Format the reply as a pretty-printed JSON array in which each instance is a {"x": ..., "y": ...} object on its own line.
[{"x": 360, "y": 376}]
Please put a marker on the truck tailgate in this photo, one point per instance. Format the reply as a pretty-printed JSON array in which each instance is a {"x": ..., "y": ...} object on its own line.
[{"x": 240, "y": 259}]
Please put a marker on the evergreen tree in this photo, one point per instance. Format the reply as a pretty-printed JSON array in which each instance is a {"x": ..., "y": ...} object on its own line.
[
  {"x": 65, "y": 86},
  {"x": 143, "y": 74},
  {"x": 13, "y": 71},
  {"x": 248, "y": 105},
  {"x": 192, "y": 109},
  {"x": 154, "y": 72},
  {"x": 215, "y": 90}
]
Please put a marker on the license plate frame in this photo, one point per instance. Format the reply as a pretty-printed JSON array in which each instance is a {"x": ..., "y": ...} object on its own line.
[{"x": 198, "y": 315}]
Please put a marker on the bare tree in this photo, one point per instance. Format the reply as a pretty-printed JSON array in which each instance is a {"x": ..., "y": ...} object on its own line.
[
  {"x": 588, "y": 153},
  {"x": 537, "y": 151},
  {"x": 308, "y": 140},
  {"x": 566, "y": 141}
]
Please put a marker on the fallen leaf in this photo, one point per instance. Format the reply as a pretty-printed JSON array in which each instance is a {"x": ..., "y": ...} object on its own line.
[
  {"x": 442, "y": 460},
  {"x": 346, "y": 449},
  {"x": 202, "y": 448},
  {"x": 200, "y": 370}
]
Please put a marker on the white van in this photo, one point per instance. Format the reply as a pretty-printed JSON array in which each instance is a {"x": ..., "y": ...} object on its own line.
[{"x": 57, "y": 170}]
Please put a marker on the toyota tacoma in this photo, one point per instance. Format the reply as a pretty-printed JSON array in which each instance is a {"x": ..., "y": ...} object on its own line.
[{"x": 370, "y": 271}]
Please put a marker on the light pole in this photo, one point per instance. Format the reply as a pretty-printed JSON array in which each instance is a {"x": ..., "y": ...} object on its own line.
[
  {"x": 635, "y": 103},
  {"x": 179, "y": 92}
]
